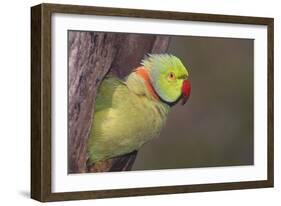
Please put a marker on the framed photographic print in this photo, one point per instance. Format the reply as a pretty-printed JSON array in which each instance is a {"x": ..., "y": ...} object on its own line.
[{"x": 132, "y": 102}]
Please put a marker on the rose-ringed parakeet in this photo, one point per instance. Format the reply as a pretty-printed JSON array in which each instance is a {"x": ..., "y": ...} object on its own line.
[{"x": 130, "y": 113}]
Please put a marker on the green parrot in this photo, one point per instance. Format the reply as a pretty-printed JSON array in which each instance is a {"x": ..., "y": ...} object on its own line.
[{"x": 132, "y": 112}]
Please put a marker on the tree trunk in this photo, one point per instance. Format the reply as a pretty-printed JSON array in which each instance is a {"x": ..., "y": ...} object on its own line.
[{"x": 91, "y": 56}]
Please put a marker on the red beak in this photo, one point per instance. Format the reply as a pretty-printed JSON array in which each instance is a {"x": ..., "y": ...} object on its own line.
[{"x": 185, "y": 91}]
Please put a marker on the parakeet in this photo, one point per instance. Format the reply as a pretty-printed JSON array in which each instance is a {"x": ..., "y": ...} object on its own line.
[{"x": 131, "y": 112}]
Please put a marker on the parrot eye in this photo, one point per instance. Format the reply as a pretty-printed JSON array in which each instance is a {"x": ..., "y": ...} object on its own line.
[{"x": 171, "y": 76}]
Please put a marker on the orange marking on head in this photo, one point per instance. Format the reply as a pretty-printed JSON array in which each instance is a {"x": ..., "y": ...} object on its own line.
[{"x": 143, "y": 73}]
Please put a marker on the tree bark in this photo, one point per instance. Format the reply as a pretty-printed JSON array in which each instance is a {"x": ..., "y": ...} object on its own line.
[{"x": 91, "y": 56}]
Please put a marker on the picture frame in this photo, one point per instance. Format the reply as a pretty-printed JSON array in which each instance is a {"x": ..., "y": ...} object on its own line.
[{"x": 43, "y": 87}]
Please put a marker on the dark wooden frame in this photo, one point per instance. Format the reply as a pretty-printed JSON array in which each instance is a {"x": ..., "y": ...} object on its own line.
[{"x": 41, "y": 101}]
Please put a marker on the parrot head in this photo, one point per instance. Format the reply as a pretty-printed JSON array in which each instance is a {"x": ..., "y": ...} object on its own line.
[{"x": 168, "y": 76}]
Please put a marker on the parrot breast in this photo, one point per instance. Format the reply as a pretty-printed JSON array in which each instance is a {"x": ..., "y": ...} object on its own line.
[{"x": 126, "y": 116}]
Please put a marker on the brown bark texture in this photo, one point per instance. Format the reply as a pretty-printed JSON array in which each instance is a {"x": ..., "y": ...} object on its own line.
[{"x": 91, "y": 56}]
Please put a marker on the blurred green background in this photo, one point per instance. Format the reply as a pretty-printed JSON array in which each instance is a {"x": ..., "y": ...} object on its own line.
[{"x": 215, "y": 127}]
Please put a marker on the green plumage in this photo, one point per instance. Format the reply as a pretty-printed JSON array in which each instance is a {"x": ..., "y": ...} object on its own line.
[
  {"x": 126, "y": 116},
  {"x": 124, "y": 120}
]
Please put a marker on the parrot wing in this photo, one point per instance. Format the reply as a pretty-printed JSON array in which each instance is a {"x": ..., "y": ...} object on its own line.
[
  {"x": 105, "y": 93},
  {"x": 107, "y": 129},
  {"x": 123, "y": 119}
]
